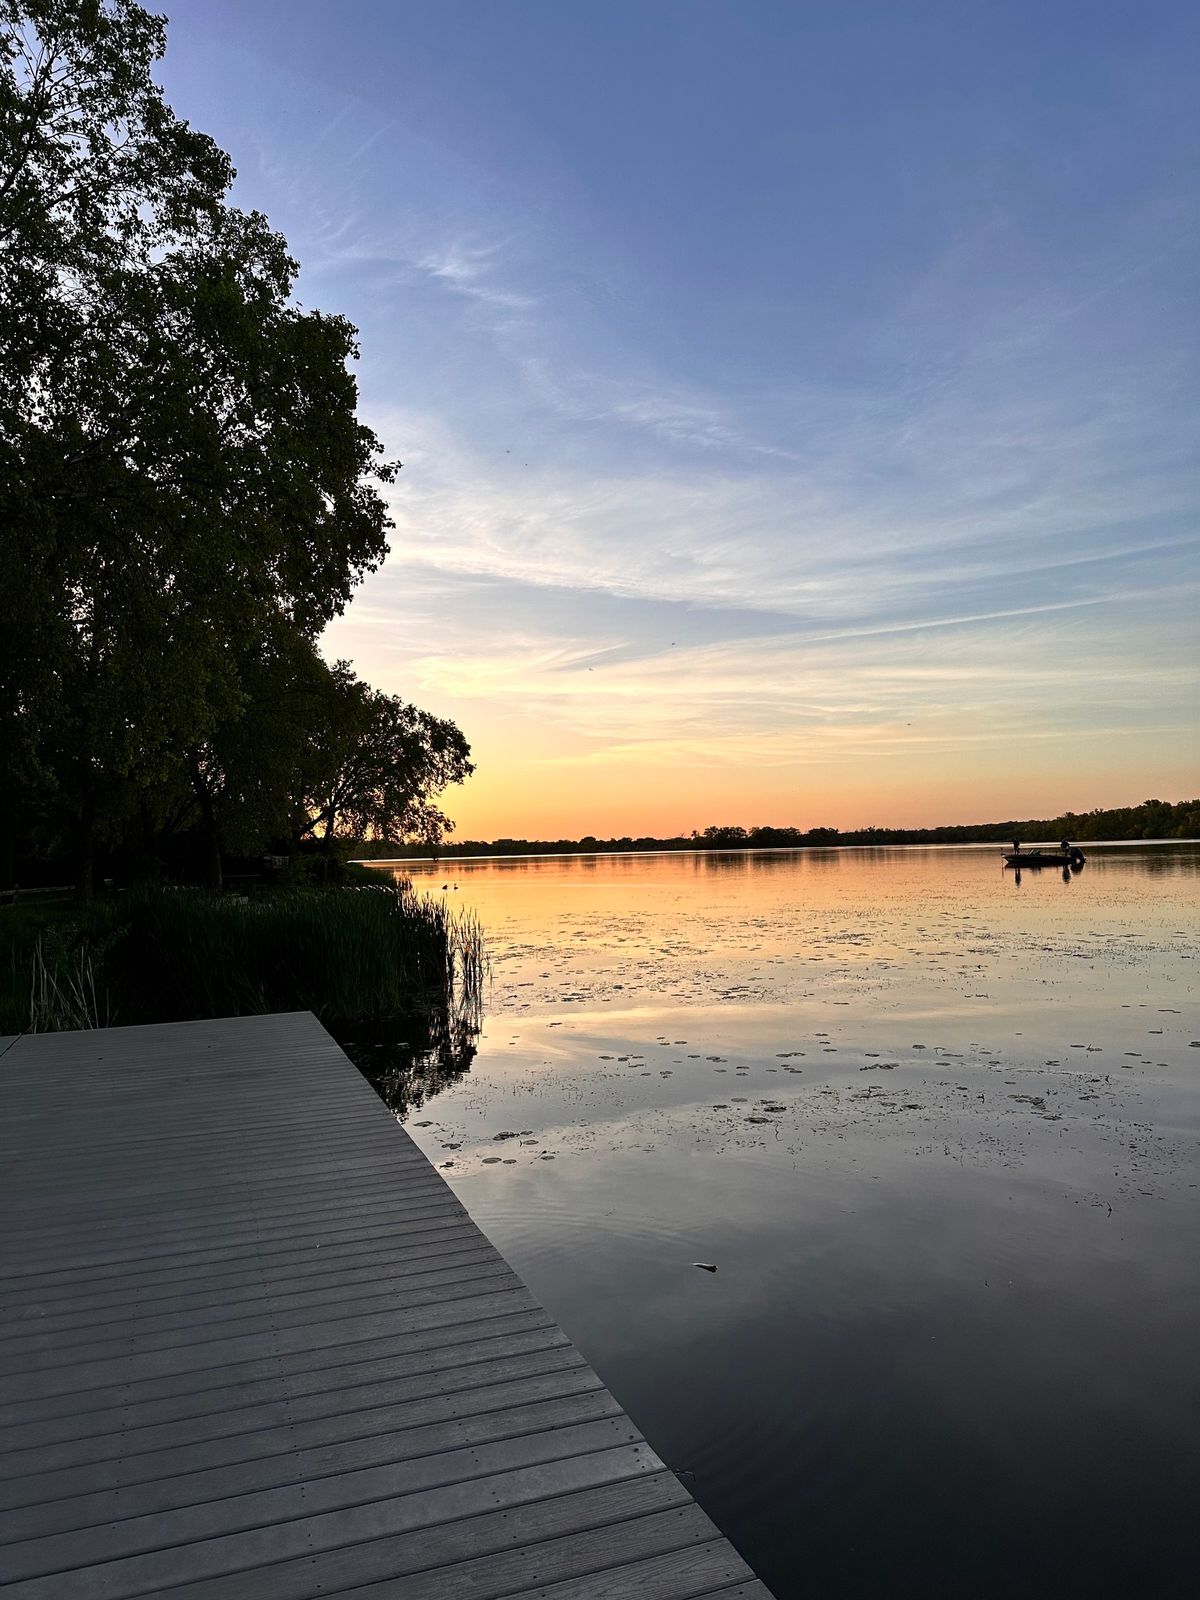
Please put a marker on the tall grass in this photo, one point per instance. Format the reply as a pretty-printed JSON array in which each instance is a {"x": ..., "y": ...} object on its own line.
[
  {"x": 52, "y": 967},
  {"x": 355, "y": 957},
  {"x": 63, "y": 992}
]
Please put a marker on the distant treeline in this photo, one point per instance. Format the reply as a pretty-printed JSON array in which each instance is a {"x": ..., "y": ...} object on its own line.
[{"x": 1153, "y": 819}]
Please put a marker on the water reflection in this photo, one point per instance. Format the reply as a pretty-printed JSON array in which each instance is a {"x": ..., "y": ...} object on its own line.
[
  {"x": 940, "y": 1140},
  {"x": 409, "y": 1060}
]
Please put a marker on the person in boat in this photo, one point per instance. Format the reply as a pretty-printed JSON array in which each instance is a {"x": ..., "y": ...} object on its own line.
[
  {"x": 1016, "y": 846},
  {"x": 1065, "y": 847}
]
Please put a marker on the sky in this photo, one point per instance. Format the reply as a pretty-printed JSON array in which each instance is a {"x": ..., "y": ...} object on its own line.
[{"x": 797, "y": 402}]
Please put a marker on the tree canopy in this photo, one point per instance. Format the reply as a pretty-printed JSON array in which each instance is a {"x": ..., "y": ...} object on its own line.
[
  {"x": 381, "y": 762},
  {"x": 187, "y": 494}
]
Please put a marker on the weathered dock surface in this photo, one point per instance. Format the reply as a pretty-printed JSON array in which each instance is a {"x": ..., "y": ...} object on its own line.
[{"x": 251, "y": 1345}]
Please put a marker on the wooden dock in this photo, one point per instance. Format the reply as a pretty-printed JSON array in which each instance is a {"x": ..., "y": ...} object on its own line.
[{"x": 253, "y": 1347}]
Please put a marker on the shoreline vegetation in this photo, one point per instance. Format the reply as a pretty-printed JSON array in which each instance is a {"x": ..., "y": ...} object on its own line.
[
  {"x": 397, "y": 977},
  {"x": 189, "y": 496},
  {"x": 1153, "y": 819}
]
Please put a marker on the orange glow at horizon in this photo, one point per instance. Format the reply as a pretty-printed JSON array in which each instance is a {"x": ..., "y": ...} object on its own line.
[
  {"x": 514, "y": 798},
  {"x": 974, "y": 721}
]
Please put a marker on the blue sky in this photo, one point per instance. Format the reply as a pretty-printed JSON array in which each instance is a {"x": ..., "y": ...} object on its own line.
[{"x": 797, "y": 402}]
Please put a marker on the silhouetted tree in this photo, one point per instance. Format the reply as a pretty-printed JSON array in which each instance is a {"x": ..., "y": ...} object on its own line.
[
  {"x": 181, "y": 465},
  {"x": 378, "y": 766}
]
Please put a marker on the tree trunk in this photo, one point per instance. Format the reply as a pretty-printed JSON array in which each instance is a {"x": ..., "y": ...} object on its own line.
[
  {"x": 85, "y": 871},
  {"x": 213, "y": 875},
  {"x": 8, "y": 857},
  {"x": 327, "y": 843},
  {"x": 85, "y": 882}
]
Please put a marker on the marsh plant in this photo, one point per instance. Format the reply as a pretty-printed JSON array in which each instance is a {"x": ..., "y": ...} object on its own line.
[
  {"x": 364, "y": 960},
  {"x": 63, "y": 992}
]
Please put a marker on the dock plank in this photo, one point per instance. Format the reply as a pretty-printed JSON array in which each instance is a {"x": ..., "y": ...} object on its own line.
[
  {"x": 529, "y": 1335},
  {"x": 107, "y": 1541},
  {"x": 252, "y": 1345}
]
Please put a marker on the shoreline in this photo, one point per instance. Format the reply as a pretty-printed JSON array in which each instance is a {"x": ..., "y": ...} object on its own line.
[{"x": 742, "y": 850}]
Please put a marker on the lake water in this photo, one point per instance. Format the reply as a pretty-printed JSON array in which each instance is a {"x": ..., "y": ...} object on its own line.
[{"x": 937, "y": 1131}]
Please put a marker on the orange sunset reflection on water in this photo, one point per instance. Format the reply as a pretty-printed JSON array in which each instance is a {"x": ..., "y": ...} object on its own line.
[{"x": 937, "y": 1130}]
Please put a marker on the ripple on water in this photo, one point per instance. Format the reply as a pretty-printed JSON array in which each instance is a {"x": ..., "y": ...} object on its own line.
[{"x": 924, "y": 1286}]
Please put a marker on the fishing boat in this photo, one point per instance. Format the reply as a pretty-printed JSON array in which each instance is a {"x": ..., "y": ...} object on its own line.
[{"x": 1072, "y": 857}]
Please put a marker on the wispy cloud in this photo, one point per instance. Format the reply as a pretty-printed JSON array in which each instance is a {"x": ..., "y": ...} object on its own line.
[
  {"x": 972, "y": 535},
  {"x": 789, "y": 699},
  {"x": 670, "y": 414},
  {"x": 471, "y": 271}
]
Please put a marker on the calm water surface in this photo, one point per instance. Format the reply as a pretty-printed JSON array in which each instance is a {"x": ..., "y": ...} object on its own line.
[{"x": 938, "y": 1133}]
